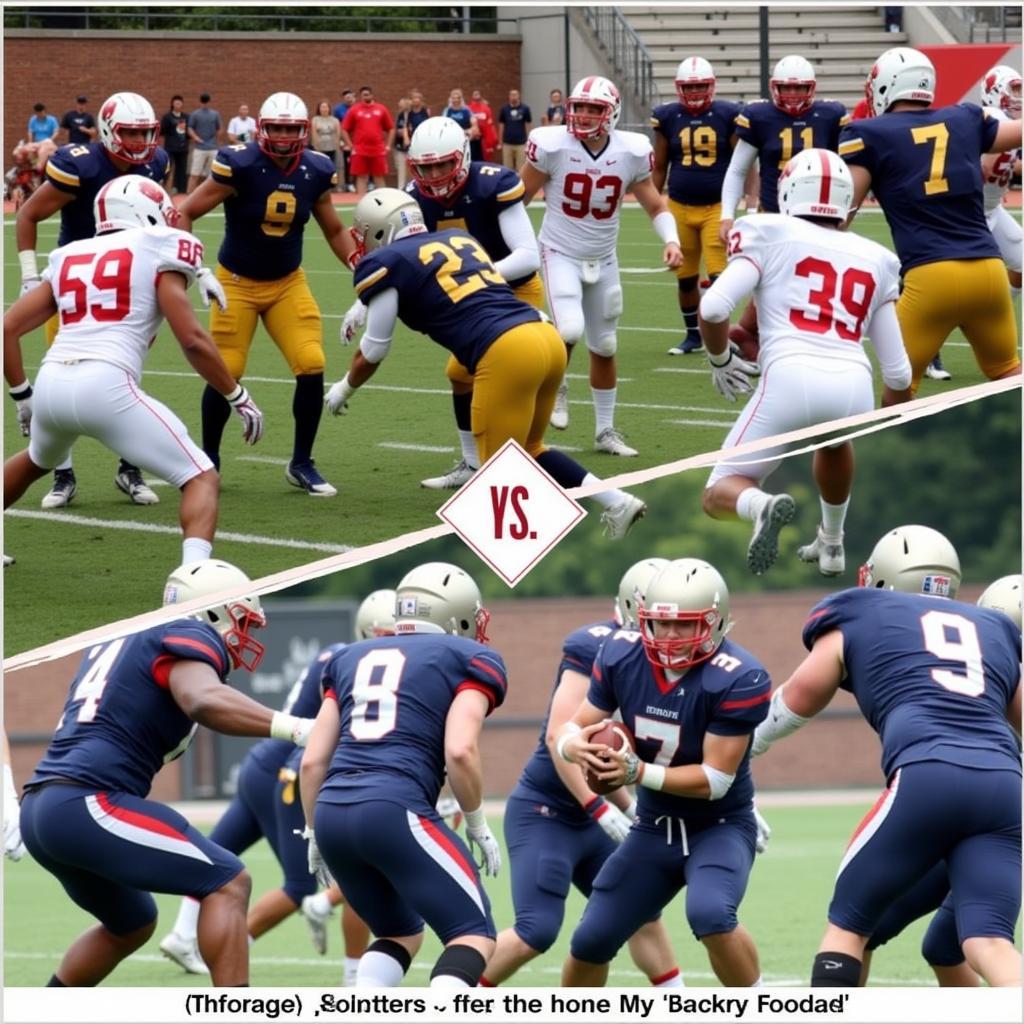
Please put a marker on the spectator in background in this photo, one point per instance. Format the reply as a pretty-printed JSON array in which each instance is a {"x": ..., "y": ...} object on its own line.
[
  {"x": 513, "y": 126},
  {"x": 893, "y": 19},
  {"x": 79, "y": 124},
  {"x": 402, "y": 137},
  {"x": 370, "y": 132},
  {"x": 174, "y": 132},
  {"x": 242, "y": 127},
  {"x": 418, "y": 113},
  {"x": 41, "y": 126},
  {"x": 482, "y": 148},
  {"x": 348, "y": 97},
  {"x": 555, "y": 114},
  {"x": 461, "y": 115},
  {"x": 204, "y": 126},
  {"x": 325, "y": 136}
]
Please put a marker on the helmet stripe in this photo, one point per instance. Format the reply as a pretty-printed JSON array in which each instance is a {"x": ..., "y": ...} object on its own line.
[
  {"x": 101, "y": 200},
  {"x": 825, "y": 195}
]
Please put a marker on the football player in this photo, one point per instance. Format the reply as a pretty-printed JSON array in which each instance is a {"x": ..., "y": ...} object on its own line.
[
  {"x": 515, "y": 355},
  {"x": 691, "y": 699},
  {"x": 692, "y": 145},
  {"x": 923, "y": 166},
  {"x": 112, "y": 292},
  {"x": 820, "y": 291},
  {"x": 134, "y": 705},
  {"x": 406, "y": 709},
  {"x": 14, "y": 848},
  {"x": 773, "y": 132},
  {"x": 127, "y": 130},
  {"x": 269, "y": 189},
  {"x": 586, "y": 167},
  {"x": 939, "y": 681},
  {"x": 557, "y": 831},
  {"x": 485, "y": 200}
]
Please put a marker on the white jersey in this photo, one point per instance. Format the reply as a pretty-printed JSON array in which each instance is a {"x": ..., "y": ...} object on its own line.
[
  {"x": 819, "y": 287},
  {"x": 105, "y": 289},
  {"x": 997, "y": 169},
  {"x": 584, "y": 192}
]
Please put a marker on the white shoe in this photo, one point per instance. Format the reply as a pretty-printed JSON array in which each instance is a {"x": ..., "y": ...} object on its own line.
[
  {"x": 764, "y": 545},
  {"x": 612, "y": 442},
  {"x": 827, "y": 552},
  {"x": 459, "y": 474},
  {"x": 64, "y": 488},
  {"x": 936, "y": 371},
  {"x": 317, "y": 924},
  {"x": 560, "y": 413},
  {"x": 618, "y": 519},
  {"x": 8, "y": 560},
  {"x": 130, "y": 481},
  {"x": 184, "y": 952}
]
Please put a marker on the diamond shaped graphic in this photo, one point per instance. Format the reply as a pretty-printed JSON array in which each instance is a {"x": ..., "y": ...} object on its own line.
[{"x": 511, "y": 513}]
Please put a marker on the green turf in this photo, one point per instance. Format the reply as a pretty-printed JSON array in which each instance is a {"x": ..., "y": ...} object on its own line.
[
  {"x": 784, "y": 910},
  {"x": 103, "y": 571}
]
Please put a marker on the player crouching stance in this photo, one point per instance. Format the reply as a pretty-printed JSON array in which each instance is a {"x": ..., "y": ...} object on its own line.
[
  {"x": 133, "y": 706},
  {"x": 695, "y": 824},
  {"x": 112, "y": 292}
]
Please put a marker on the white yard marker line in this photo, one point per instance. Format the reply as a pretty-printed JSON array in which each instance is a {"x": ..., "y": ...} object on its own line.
[
  {"x": 400, "y": 446},
  {"x": 724, "y": 424},
  {"x": 267, "y": 460}
]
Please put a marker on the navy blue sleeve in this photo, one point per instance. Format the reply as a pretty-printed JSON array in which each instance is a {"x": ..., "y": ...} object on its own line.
[{"x": 743, "y": 706}]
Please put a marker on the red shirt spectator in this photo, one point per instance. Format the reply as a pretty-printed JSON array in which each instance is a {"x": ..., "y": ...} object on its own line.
[
  {"x": 485, "y": 122},
  {"x": 367, "y": 124},
  {"x": 861, "y": 111}
]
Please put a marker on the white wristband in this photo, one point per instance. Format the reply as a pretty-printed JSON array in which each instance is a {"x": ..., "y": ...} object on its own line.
[
  {"x": 653, "y": 776},
  {"x": 475, "y": 819},
  {"x": 347, "y": 390},
  {"x": 29, "y": 267},
  {"x": 282, "y": 726},
  {"x": 665, "y": 227},
  {"x": 569, "y": 730}
]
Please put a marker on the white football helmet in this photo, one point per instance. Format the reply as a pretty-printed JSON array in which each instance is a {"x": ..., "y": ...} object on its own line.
[
  {"x": 439, "y": 140},
  {"x": 1004, "y": 596},
  {"x": 382, "y": 216},
  {"x": 601, "y": 93},
  {"x": 440, "y": 598},
  {"x": 233, "y": 619},
  {"x": 914, "y": 559},
  {"x": 695, "y": 84},
  {"x": 283, "y": 108},
  {"x": 901, "y": 73},
  {"x": 687, "y": 590},
  {"x": 376, "y": 615},
  {"x": 127, "y": 110},
  {"x": 792, "y": 84},
  {"x": 132, "y": 201},
  {"x": 632, "y": 588},
  {"x": 1000, "y": 88},
  {"x": 816, "y": 183}
]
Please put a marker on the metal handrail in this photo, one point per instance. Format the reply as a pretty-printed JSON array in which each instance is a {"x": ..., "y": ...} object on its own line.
[{"x": 626, "y": 52}]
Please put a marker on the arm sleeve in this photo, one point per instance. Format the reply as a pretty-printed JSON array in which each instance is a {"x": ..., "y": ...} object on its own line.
[
  {"x": 744, "y": 706},
  {"x": 600, "y": 692},
  {"x": 731, "y": 287},
  {"x": 743, "y": 157},
  {"x": 887, "y": 340},
  {"x": 486, "y": 672},
  {"x": 181, "y": 252},
  {"x": 381, "y": 317},
  {"x": 186, "y": 640},
  {"x": 516, "y": 229}
]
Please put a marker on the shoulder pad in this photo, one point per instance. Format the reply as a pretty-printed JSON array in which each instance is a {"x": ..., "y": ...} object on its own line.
[{"x": 637, "y": 143}]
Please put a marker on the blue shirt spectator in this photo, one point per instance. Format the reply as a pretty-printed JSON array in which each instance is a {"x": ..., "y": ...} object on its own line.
[
  {"x": 42, "y": 125},
  {"x": 348, "y": 97}
]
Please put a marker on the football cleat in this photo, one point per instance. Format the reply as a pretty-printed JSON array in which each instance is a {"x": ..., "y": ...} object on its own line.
[
  {"x": 129, "y": 479},
  {"x": 305, "y": 476},
  {"x": 459, "y": 474},
  {"x": 748, "y": 342},
  {"x": 619, "y": 519},
  {"x": 184, "y": 952},
  {"x": 827, "y": 552},
  {"x": 691, "y": 343},
  {"x": 317, "y": 924},
  {"x": 612, "y": 442},
  {"x": 64, "y": 488},
  {"x": 936, "y": 371},
  {"x": 8, "y": 560},
  {"x": 560, "y": 413},
  {"x": 778, "y": 511}
]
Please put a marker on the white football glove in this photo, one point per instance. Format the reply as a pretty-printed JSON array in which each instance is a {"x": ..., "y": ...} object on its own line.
[
  {"x": 352, "y": 321},
  {"x": 480, "y": 834},
  {"x": 290, "y": 728},
  {"x": 338, "y": 396},
  {"x": 14, "y": 848},
  {"x": 614, "y": 822},
  {"x": 764, "y": 830},
  {"x": 252, "y": 418},
  {"x": 732, "y": 375},
  {"x": 317, "y": 865},
  {"x": 449, "y": 809},
  {"x": 210, "y": 288},
  {"x": 28, "y": 284},
  {"x": 22, "y": 395}
]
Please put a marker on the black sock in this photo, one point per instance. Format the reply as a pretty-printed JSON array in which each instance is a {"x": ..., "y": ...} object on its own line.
[
  {"x": 126, "y": 467},
  {"x": 307, "y": 408},
  {"x": 462, "y": 962},
  {"x": 835, "y": 970},
  {"x": 215, "y": 411},
  {"x": 564, "y": 470},
  {"x": 463, "y": 405},
  {"x": 690, "y": 319},
  {"x": 55, "y": 982}
]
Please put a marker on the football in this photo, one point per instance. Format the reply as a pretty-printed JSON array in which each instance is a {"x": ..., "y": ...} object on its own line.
[{"x": 617, "y": 736}]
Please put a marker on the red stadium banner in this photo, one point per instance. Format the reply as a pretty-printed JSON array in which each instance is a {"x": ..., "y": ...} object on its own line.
[{"x": 959, "y": 67}]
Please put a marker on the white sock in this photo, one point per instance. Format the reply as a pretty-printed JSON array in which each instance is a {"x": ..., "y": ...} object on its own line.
[
  {"x": 604, "y": 409},
  {"x": 674, "y": 980},
  {"x": 759, "y": 983},
  {"x": 187, "y": 923},
  {"x": 750, "y": 502},
  {"x": 469, "y": 452},
  {"x": 66, "y": 464},
  {"x": 606, "y": 499},
  {"x": 319, "y": 904},
  {"x": 378, "y": 970},
  {"x": 448, "y": 981},
  {"x": 195, "y": 549},
  {"x": 350, "y": 971},
  {"x": 832, "y": 519}
]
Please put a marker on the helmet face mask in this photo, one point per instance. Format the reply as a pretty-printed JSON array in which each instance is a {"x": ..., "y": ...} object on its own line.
[
  {"x": 816, "y": 183},
  {"x": 132, "y": 201},
  {"x": 792, "y": 84},
  {"x": 280, "y": 111},
  {"x": 901, "y": 73},
  {"x": 381, "y": 215},
  {"x": 440, "y": 598},
  {"x": 1001, "y": 88},
  {"x": 127, "y": 127},
  {"x": 439, "y": 157},
  {"x": 376, "y": 615},
  {"x": 915, "y": 560},
  {"x": 593, "y": 108}
]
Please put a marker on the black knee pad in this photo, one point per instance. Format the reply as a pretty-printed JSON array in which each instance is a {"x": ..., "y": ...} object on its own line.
[
  {"x": 395, "y": 950},
  {"x": 835, "y": 970},
  {"x": 687, "y": 284},
  {"x": 462, "y": 962}
]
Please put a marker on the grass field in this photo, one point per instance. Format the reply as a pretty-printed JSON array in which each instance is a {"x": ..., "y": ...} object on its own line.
[
  {"x": 784, "y": 910},
  {"x": 108, "y": 558}
]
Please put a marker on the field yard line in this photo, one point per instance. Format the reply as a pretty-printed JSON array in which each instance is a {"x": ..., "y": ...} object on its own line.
[
  {"x": 267, "y": 460},
  {"x": 222, "y": 535},
  {"x": 400, "y": 446},
  {"x": 677, "y": 369},
  {"x": 699, "y": 423}
]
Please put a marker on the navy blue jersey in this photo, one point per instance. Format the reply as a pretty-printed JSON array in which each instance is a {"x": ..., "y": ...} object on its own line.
[
  {"x": 925, "y": 170},
  {"x": 120, "y": 723},
  {"x": 540, "y": 781},
  {"x": 726, "y": 695},
  {"x": 475, "y": 208},
  {"x": 83, "y": 171},
  {"x": 264, "y": 220},
  {"x": 447, "y": 289},
  {"x": 933, "y": 677},
  {"x": 393, "y": 695},
  {"x": 699, "y": 149},
  {"x": 778, "y": 136}
]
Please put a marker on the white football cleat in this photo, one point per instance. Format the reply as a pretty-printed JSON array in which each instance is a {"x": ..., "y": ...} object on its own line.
[
  {"x": 936, "y": 371},
  {"x": 8, "y": 560},
  {"x": 618, "y": 519},
  {"x": 560, "y": 413},
  {"x": 764, "y": 545},
  {"x": 827, "y": 552},
  {"x": 612, "y": 442},
  {"x": 64, "y": 488},
  {"x": 458, "y": 475},
  {"x": 129, "y": 480},
  {"x": 317, "y": 924},
  {"x": 184, "y": 952}
]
